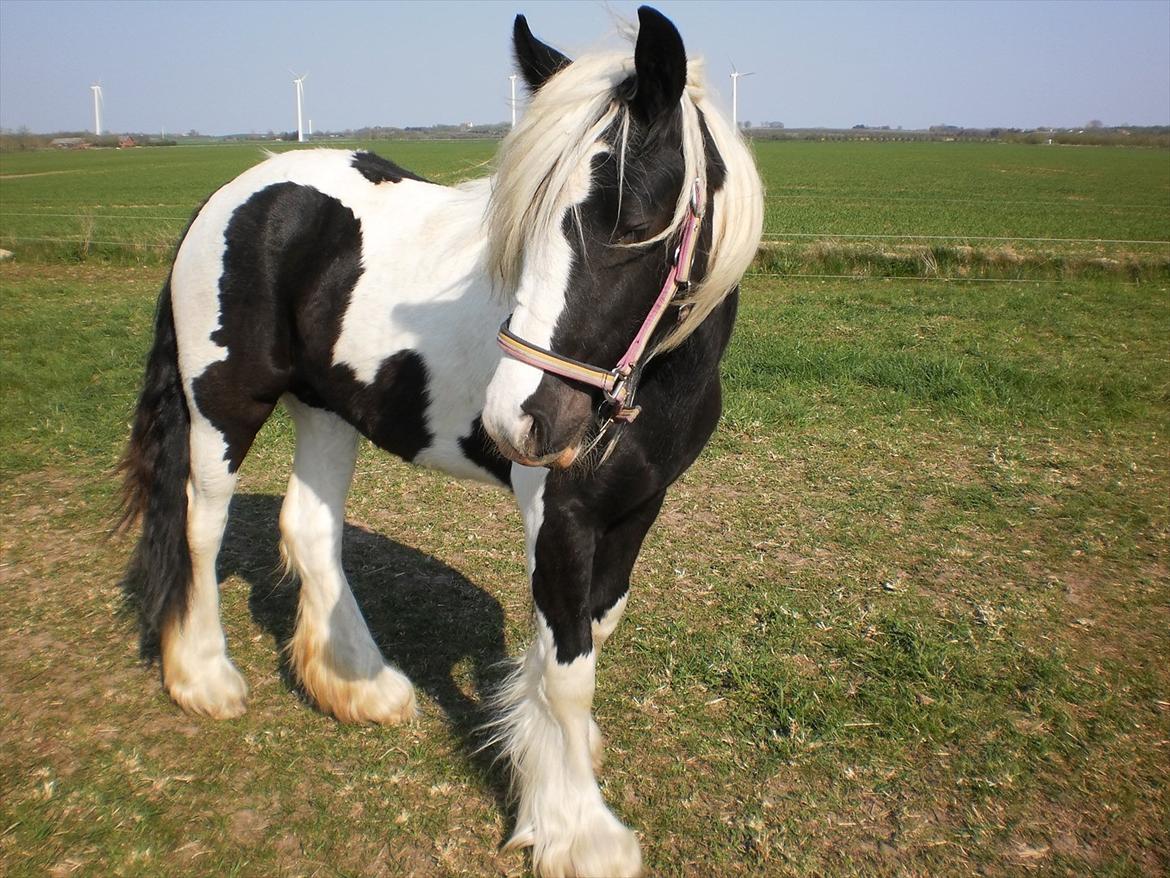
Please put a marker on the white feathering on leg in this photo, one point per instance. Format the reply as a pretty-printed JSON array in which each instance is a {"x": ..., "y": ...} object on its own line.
[{"x": 545, "y": 731}]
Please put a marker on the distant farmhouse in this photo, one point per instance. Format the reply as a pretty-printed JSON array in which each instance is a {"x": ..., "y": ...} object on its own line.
[{"x": 69, "y": 143}]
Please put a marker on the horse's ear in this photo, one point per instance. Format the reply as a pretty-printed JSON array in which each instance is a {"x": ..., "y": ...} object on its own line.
[
  {"x": 660, "y": 65},
  {"x": 537, "y": 62}
]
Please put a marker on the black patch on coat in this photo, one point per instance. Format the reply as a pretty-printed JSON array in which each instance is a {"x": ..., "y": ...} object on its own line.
[
  {"x": 291, "y": 262},
  {"x": 390, "y": 412},
  {"x": 594, "y": 524},
  {"x": 480, "y": 449},
  {"x": 379, "y": 170}
]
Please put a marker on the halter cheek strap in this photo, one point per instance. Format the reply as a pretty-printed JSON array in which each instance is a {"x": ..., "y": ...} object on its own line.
[{"x": 618, "y": 383}]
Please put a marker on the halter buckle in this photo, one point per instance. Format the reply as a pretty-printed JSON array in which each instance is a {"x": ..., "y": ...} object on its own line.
[
  {"x": 621, "y": 394},
  {"x": 614, "y": 395}
]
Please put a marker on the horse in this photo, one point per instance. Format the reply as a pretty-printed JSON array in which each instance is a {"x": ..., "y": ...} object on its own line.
[{"x": 471, "y": 329}]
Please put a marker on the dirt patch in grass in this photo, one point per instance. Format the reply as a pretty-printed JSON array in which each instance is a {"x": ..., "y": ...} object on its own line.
[{"x": 1099, "y": 611}]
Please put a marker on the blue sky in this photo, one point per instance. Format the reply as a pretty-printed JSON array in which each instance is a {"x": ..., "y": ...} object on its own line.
[{"x": 222, "y": 67}]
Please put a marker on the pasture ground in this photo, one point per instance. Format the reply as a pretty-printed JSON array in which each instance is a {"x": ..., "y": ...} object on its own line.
[{"x": 906, "y": 616}]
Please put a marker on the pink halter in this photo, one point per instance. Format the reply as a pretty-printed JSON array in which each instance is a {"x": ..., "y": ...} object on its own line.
[{"x": 615, "y": 383}]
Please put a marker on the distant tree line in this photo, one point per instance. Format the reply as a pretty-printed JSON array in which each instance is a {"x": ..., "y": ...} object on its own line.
[
  {"x": 466, "y": 131},
  {"x": 1094, "y": 133},
  {"x": 434, "y": 132},
  {"x": 23, "y": 139}
]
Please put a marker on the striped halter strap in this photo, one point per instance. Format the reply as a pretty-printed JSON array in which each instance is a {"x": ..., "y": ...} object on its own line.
[{"x": 619, "y": 383}]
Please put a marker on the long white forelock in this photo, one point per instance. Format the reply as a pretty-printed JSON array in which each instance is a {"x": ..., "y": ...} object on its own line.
[
  {"x": 541, "y": 155},
  {"x": 558, "y": 133}
]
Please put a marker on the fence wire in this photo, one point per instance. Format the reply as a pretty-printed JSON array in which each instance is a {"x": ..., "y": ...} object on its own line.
[
  {"x": 770, "y": 236},
  {"x": 767, "y": 237},
  {"x": 913, "y": 278}
]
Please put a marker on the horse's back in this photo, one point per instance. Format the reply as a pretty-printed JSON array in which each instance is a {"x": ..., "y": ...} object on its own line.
[
  {"x": 252, "y": 236},
  {"x": 349, "y": 282}
]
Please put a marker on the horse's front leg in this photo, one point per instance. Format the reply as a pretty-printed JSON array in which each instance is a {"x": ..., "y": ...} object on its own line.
[
  {"x": 613, "y": 561},
  {"x": 546, "y": 726}
]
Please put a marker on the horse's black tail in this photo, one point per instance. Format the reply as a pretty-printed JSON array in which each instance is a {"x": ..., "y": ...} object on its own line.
[{"x": 155, "y": 469}]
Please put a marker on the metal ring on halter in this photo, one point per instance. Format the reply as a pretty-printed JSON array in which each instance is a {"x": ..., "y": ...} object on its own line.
[
  {"x": 621, "y": 396},
  {"x": 615, "y": 395}
]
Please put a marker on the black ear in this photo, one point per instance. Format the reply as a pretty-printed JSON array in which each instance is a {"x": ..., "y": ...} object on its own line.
[
  {"x": 660, "y": 65},
  {"x": 537, "y": 62}
]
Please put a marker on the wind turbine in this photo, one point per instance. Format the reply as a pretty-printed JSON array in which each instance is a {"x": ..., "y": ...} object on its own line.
[
  {"x": 513, "y": 80},
  {"x": 98, "y": 101},
  {"x": 300, "y": 84},
  {"x": 735, "y": 77}
]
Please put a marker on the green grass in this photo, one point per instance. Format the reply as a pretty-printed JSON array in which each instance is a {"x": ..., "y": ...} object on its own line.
[
  {"x": 905, "y": 616},
  {"x": 1011, "y": 355},
  {"x": 132, "y": 205},
  {"x": 966, "y": 189},
  {"x": 1004, "y": 211}
]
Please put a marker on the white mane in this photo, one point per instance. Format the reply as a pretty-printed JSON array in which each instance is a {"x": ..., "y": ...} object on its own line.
[{"x": 557, "y": 136}]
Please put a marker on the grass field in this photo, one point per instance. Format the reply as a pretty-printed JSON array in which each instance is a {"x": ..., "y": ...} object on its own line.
[
  {"x": 906, "y": 616},
  {"x": 960, "y": 206}
]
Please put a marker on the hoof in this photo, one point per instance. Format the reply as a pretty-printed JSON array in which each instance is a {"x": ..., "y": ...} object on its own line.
[
  {"x": 387, "y": 698},
  {"x": 598, "y": 846},
  {"x": 218, "y": 691}
]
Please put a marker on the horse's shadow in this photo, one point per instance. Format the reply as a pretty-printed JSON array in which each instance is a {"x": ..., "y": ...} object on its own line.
[{"x": 428, "y": 619}]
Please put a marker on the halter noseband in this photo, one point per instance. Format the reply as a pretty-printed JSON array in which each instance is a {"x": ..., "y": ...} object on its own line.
[{"x": 619, "y": 384}]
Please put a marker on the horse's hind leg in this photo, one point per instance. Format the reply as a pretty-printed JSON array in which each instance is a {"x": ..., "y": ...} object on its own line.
[
  {"x": 332, "y": 651},
  {"x": 196, "y": 669}
]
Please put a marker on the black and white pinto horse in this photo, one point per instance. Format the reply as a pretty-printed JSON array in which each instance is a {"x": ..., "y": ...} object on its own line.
[{"x": 367, "y": 301}]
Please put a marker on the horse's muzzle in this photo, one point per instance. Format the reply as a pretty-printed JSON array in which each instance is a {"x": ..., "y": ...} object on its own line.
[
  {"x": 557, "y": 460},
  {"x": 530, "y": 448}
]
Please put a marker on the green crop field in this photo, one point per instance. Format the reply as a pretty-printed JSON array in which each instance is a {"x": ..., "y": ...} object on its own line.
[
  {"x": 907, "y": 615},
  {"x": 131, "y": 205},
  {"x": 967, "y": 190}
]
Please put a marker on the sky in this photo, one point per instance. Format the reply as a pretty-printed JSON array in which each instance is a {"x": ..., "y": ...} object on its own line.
[{"x": 226, "y": 67}]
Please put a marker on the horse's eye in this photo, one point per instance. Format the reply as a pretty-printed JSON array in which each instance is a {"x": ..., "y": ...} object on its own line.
[{"x": 632, "y": 235}]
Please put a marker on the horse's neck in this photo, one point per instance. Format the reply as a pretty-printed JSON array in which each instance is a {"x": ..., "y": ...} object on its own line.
[{"x": 696, "y": 360}]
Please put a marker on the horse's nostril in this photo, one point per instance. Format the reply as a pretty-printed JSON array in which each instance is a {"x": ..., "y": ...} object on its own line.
[
  {"x": 539, "y": 433},
  {"x": 542, "y": 438}
]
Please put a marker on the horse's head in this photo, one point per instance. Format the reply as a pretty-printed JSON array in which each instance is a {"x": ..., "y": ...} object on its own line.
[{"x": 593, "y": 191}]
